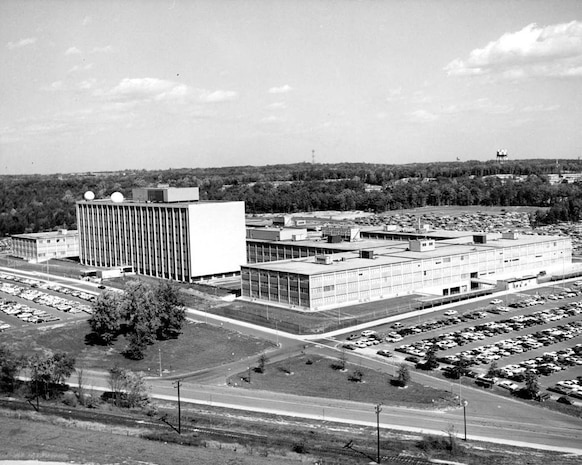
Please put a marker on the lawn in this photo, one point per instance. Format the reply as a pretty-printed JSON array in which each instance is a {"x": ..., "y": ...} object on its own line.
[
  {"x": 199, "y": 346},
  {"x": 320, "y": 379}
]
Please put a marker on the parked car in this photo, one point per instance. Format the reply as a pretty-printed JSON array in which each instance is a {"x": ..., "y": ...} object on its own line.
[{"x": 384, "y": 353}]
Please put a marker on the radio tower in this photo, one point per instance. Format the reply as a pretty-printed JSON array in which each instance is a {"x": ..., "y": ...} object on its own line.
[{"x": 313, "y": 157}]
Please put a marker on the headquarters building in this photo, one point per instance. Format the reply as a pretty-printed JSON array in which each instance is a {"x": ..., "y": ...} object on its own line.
[{"x": 163, "y": 232}]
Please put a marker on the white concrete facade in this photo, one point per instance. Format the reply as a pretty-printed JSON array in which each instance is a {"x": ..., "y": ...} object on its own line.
[{"x": 184, "y": 241}]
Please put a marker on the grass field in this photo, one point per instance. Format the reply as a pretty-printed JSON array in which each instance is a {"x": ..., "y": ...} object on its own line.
[
  {"x": 199, "y": 346},
  {"x": 320, "y": 379},
  {"x": 30, "y": 436}
]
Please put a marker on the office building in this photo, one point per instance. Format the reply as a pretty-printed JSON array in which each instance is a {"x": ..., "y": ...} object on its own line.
[
  {"x": 442, "y": 263},
  {"x": 163, "y": 232},
  {"x": 40, "y": 247}
]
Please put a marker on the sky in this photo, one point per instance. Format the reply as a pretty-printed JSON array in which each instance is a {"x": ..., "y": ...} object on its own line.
[{"x": 103, "y": 85}]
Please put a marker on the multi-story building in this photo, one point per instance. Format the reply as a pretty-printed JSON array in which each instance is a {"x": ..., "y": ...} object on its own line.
[
  {"x": 439, "y": 267},
  {"x": 40, "y": 247},
  {"x": 163, "y": 232}
]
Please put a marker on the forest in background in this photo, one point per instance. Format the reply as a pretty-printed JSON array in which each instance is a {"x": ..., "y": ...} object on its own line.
[{"x": 33, "y": 203}]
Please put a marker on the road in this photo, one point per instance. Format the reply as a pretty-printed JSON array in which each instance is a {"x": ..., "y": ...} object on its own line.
[{"x": 489, "y": 418}]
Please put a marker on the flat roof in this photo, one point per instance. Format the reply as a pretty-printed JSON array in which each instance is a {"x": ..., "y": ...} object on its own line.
[
  {"x": 156, "y": 204},
  {"x": 344, "y": 245},
  {"x": 394, "y": 252},
  {"x": 430, "y": 234},
  {"x": 47, "y": 234}
]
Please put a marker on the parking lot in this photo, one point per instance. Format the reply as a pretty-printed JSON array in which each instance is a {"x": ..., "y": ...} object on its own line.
[
  {"x": 541, "y": 332},
  {"x": 29, "y": 301}
]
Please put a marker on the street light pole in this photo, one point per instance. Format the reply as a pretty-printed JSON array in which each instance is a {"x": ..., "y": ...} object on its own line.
[
  {"x": 179, "y": 408},
  {"x": 465, "y": 403},
  {"x": 378, "y": 409}
]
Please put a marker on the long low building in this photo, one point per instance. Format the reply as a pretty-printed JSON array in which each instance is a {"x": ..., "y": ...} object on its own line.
[{"x": 459, "y": 263}]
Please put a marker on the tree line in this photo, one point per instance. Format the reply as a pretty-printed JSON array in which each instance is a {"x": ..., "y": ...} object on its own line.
[{"x": 46, "y": 202}]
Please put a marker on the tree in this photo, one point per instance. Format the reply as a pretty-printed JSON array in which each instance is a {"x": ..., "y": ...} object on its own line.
[
  {"x": 431, "y": 358},
  {"x": 460, "y": 368},
  {"x": 532, "y": 384},
  {"x": 48, "y": 370},
  {"x": 170, "y": 307},
  {"x": 129, "y": 388},
  {"x": 139, "y": 310},
  {"x": 493, "y": 371},
  {"x": 262, "y": 361},
  {"x": 136, "y": 389},
  {"x": 105, "y": 321},
  {"x": 356, "y": 375},
  {"x": 116, "y": 383},
  {"x": 403, "y": 374},
  {"x": 10, "y": 365}
]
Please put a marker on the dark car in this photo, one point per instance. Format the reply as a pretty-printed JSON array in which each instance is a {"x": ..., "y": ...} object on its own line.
[{"x": 384, "y": 353}]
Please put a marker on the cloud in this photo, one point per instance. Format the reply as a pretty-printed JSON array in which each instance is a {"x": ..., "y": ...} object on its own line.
[
  {"x": 422, "y": 116},
  {"x": 105, "y": 49},
  {"x": 272, "y": 119},
  {"x": 280, "y": 90},
  {"x": 394, "y": 94},
  {"x": 87, "y": 84},
  {"x": 76, "y": 68},
  {"x": 21, "y": 43},
  {"x": 54, "y": 86},
  {"x": 73, "y": 51},
  {"x": 218, "y": 96},
  {"x": 146, "y": 90},
  {"x": 87, "y": 20},
  {"x": 539, "y": 108},
  {"x": 277, "y": 106},
  {"x": 550, "y": 51},
  {"x": 481, "y": 105}
]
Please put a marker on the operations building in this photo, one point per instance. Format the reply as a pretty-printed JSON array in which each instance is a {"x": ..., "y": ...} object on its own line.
[
  {"x": 163, "y": 232},
  {"x": 40, "y": 247},
  {"x": 441, "y": 264}
]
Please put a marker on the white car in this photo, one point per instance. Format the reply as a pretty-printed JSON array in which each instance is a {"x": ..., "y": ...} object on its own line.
[
  {"x": 450, "y": 312},
  {"x": 368, "y": 332},
  {"x": 496, "y": 302},
  {"x": 508, "y": 385}
]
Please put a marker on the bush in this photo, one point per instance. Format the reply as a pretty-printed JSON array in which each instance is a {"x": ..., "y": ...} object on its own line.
[
  {"x": 70, "y": 399},
  {"x": 299, "y": 447}
]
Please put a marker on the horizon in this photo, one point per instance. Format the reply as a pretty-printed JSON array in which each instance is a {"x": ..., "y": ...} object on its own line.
[
  {"x": 122, "y": 170},
  {"x": 96, "y": 86}
]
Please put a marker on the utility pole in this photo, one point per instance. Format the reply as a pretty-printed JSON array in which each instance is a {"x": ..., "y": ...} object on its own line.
[
  {"x": 378, "y": 409},
  {"x": 177, "y": 384},
  {"x": 465, "y": 403},
  {"x": 160, "y": 359}
]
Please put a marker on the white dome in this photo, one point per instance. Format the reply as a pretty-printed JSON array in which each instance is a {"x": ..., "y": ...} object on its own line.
[
  {"x": 117, "y": 197},
  {"x": 89, "y": 195}
]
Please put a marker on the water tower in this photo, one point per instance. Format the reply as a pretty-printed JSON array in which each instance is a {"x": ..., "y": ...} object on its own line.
[{"x": 502, "y": 155}]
